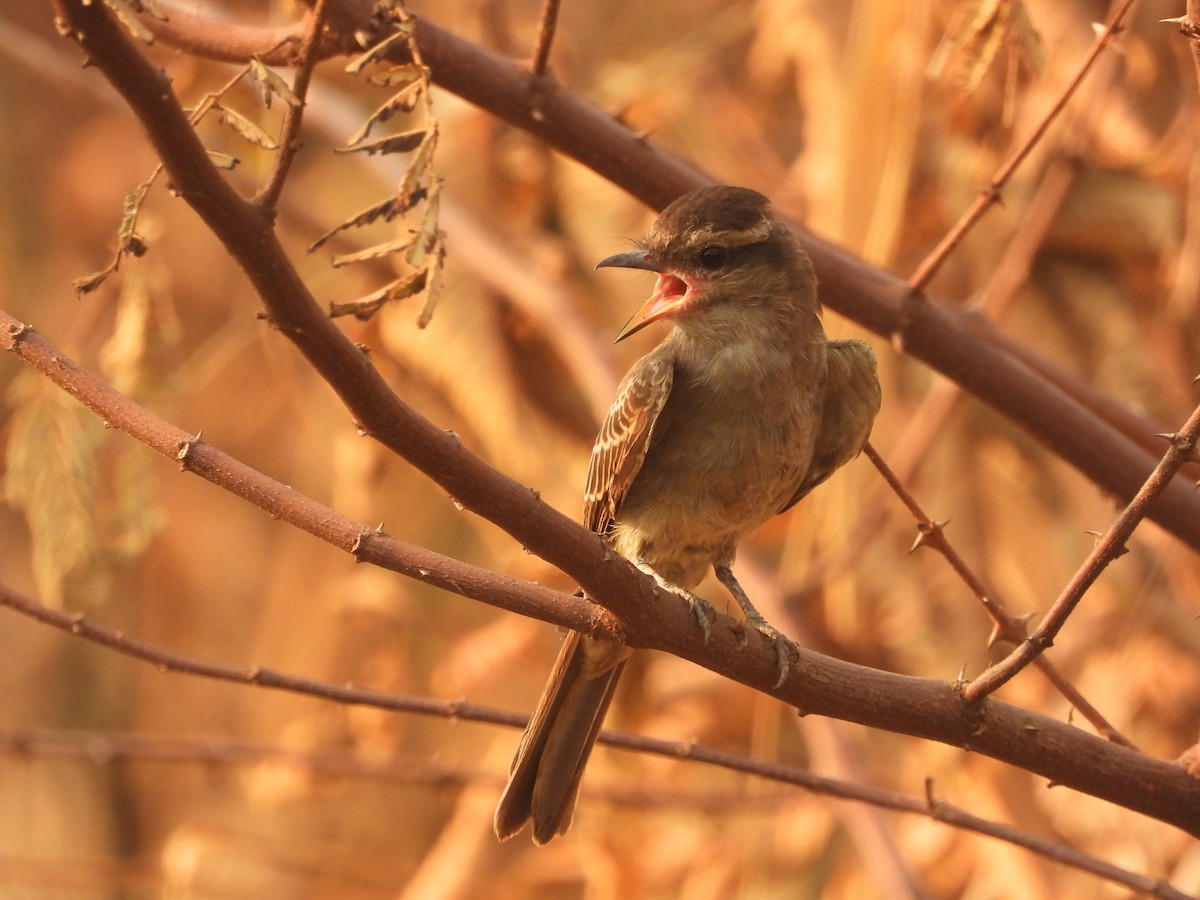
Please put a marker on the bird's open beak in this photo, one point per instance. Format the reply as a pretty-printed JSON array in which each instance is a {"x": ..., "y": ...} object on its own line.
[{"x": 670, "y": 291}]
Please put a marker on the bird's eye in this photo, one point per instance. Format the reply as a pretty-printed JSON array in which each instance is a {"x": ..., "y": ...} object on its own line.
[{"x": 712, "y": 256}]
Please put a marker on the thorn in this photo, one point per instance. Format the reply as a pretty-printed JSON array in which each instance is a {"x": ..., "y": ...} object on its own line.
[
  {"x": 962, "y": 676},
  {"x": 994, "y": 635},
  {"x": 1185, "y": 25},
  {"x": 927, "y": 533},
  {"x": 1118, "y": 553},
  {"x": 185, "y": 450},
  {"x": 930, "y": 800},
  {"x": 1185, "y": 444}
]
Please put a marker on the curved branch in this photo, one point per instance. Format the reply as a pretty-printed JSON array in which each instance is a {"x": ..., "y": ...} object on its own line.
[
  {"x": 176, "y": 749},
  {"x": 1109, "y": 547},
  {"x": 365, "y": 544},
  {"x": 1006, "y": 626}
]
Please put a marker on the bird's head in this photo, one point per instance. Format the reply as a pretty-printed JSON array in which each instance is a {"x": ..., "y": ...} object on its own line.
[{"x": 714, "y": 248}]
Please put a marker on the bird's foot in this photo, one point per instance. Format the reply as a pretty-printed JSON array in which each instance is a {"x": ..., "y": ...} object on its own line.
[
  {"x": 786, "y": 650},
  {"x": 700, "y": 608}
]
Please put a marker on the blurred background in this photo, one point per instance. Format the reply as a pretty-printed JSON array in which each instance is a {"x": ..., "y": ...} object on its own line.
[{"x": 876, "y": 123}]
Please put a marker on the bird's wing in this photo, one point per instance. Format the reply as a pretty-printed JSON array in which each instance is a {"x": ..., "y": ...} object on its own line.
[
  {"x": 852, "y": 399},
  {"x": 624, "y": 439}
]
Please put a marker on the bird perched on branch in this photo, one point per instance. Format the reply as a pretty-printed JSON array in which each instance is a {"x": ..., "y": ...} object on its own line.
[{"x": 740, "y": 412}]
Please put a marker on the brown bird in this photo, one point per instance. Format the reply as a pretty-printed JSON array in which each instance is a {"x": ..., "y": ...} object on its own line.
[{"x": 740, "y": 412}]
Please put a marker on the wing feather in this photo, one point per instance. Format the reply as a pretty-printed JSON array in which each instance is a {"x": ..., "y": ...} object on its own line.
[
  {"x": 624, "y": 439},
  {"x": 852, "y": 400}
]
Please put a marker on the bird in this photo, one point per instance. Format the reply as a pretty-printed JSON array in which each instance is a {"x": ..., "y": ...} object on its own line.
[{"x": 740, "y": 412}]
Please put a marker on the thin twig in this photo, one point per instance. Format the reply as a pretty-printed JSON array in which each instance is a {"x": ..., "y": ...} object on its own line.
[
  {"x": 293, "y": 114},
  {"x": 458, "y": 710},
  {"x": 545, "y": 36},
  {"x": 1182, "y": 448},
  {"x": 1189, "y": 27},
  {"x": 108, "y": 747},
  {"x": 991, "y": 194},
  {"x": 1007, "y": 626}
]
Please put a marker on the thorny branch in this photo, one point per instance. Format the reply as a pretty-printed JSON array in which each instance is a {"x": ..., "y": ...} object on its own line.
[
  {"x": 990, "y": 195},
  {"x": 259, "y": 676},
  {"x": 1182, "y": 449},
  {"x": 1007, "y": 627},
  {"x": 366, "y": 544},
  {"x": 1189, "y": 27},
  {"x": 289, "y": 142}
]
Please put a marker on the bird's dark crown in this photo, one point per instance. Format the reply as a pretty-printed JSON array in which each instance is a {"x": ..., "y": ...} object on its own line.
[{"x": 720, "y": 217}]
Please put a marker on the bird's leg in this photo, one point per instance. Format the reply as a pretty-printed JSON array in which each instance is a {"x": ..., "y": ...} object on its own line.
[
  {"x": 784, "y": 647},
  {"x": 701, "y": 609}
]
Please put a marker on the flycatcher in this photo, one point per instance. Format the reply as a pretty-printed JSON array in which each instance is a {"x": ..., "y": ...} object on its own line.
[{"x": 740, "y": 412}]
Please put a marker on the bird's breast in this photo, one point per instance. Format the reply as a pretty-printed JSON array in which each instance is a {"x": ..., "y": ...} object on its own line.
[{"x": 731, "y": 446}]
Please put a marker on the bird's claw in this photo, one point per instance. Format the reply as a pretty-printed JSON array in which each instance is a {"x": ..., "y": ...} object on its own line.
[
  {"x": 701, "y": 610},
  {"x": 786, "y": 650},
  {"x": 703, "y": 613}
]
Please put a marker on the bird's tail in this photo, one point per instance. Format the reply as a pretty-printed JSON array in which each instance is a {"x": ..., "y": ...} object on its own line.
[{"x": 543, "y": 781}]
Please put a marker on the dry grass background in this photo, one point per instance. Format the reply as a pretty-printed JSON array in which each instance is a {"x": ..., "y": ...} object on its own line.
[{"x": 826, "y": 106}]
